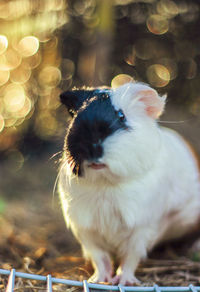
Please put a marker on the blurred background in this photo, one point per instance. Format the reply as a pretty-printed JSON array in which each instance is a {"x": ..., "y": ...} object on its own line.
[{"x": 54, "y": 45}]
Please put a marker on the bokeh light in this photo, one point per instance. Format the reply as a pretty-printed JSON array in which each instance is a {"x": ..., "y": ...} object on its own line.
[
  {"x": 10, "y": 122},
  {"x": 25, "y": 109},
  {"x": 3, "y": 43},
  {"x": 8, "y": 138},
  {"x": 157, "y": 24},
  {"x": 2, "y": 123},
  {"x": 9, "y": 60},
  {"x": 1, "y": 106},
  {"x": 171, "y": 66},
  {"x": 190, "y": 11},
  {"x": 158, "y": 75},
  {"x": 130, "y": 59},
  {"x": 14, "y": 98},
  {"x": 4, "y": 77},
  {"x": 191, "y": 69},
  {"x": 50, "y": 100},
  {"x": 30, "y": 65},
  {"x": 120, "y": 80},
  {"x": 15, "y": 159},
  {"x": 21, "y": 74},
  {"x": 49, "y": 76},
  {"x": 68, "y": 68},
  {"x": 28, "y": 46},
  {"x": 33, "y": 61},
  {"x": 167, "y": 8}
]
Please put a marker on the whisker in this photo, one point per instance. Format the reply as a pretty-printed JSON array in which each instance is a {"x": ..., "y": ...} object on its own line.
[
  {"x": 175, "y": 122},
  {"x": 56, "y": 181},
  {"x": 127, "y": 88},
  {"x": 56, "y": 154}
]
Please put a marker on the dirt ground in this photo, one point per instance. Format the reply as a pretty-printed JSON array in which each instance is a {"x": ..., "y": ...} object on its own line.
[{"x": 34, "y": 238}]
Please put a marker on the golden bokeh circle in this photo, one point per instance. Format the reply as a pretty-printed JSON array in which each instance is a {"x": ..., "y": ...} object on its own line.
[
  {"x": 4, "y": 77},
  {"x": 68, "y": 68},
  {"x": 9, "y": 60},
  {"x": 25, "y": 110},
  {"x": 171, "y": 66},
  {"x": 15, "y": 159},
  {"x": 157, "y": 24},
  {"x": 3, "y": 43},
  {"x": 120, "y": 80},
  {"x": 158, "y": 75},
  {"x": 33, "y": 61},
  {"x": 14, "y": 98},
  {"x": 21, "y": 74},
  {"x": 10, "y": 122},
  {"x": 49, "y": 76},
  {"x": 28, "y": 46},
  {"x": 167, "y": 8},
  {"x": 2, "y": 123}
]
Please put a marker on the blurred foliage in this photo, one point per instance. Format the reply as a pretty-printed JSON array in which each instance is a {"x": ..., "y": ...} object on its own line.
[{"x": 52, "y": 45}]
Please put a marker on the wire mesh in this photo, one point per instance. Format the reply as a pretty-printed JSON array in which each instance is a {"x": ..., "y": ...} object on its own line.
[{"x": 87, "y": 286}]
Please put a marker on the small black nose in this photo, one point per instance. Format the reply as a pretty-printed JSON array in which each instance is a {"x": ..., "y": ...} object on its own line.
[{"x": 96, "y": 151}]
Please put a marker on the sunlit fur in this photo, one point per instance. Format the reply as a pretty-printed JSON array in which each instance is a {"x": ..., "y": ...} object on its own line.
[{"x": 148, "y": 192}]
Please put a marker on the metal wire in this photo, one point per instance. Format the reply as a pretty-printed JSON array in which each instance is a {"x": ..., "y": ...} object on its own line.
[
  {"x": 11, "y": 281},
  {"x": 87, "y": 286},
  {"x": 49, "y": 283}
]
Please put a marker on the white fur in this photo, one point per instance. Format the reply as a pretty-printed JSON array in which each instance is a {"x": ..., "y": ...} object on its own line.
[{"x": 149, "y": 192}]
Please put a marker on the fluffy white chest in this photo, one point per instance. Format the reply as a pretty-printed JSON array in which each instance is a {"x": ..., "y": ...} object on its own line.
[
  {"x": 100, "y": 210},
  {"x": 111, "y": 209}
]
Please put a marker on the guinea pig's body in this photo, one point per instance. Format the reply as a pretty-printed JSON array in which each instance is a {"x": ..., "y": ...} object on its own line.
[{"x": 125, "y": 183}]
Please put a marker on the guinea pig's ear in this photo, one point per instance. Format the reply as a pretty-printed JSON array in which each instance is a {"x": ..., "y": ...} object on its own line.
[
  {"x": 74, "y": 99},
  {"x": 154, "y": 104}
]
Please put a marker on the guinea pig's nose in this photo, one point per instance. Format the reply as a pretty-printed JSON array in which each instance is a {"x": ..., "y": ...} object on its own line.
[
  {"x": 96, "y": 146},
  {"x": 97, "y": 143},
  {"x": 97, "y": 150}
]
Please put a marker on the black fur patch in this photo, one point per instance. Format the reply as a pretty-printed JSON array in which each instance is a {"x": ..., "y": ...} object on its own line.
[{"x": 92, "y": 123}]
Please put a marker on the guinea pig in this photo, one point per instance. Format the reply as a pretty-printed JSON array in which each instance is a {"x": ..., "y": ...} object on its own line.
[{"x": 125, "y": 183}]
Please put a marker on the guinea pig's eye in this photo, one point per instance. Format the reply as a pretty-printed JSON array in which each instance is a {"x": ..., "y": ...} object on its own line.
[{"x": 120, "y": 115}]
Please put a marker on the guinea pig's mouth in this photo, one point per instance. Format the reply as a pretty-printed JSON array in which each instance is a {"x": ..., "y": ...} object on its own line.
[{"x": 97, "y": 166}]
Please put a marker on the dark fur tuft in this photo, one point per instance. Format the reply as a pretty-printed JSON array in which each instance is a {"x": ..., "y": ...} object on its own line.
[{"x": 74, "y": 99}]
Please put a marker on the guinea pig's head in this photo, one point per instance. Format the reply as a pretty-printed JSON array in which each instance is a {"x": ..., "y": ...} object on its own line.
[{"x": 112, "y": 133}]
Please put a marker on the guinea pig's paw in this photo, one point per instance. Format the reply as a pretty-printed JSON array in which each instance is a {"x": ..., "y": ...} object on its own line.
[
  {"x": 125, "y": 279},
  {"x": 97, "y": 278}
]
